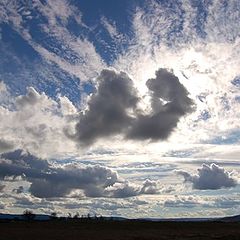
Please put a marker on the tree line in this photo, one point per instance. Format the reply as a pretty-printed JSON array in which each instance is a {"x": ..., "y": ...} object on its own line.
[{"x": 29, "y": 215}]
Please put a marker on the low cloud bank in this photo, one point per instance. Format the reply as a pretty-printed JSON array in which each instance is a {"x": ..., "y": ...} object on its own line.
[{"x": 48, "y": 180}]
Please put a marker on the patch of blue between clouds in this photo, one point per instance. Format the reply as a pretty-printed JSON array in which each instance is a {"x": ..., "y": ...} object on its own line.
[
  {"x": 115, "y": 12},
  {"x": 181, "y": 154},
  {"x": 236, "y": 81},
  {"x": 51, "y": 42},
  {"x": 201, "y": 16},
  {"x": 22, "y": 67},
  {"x": 11, "y": 39},
  {"x": 225, "y": 103},
  {"x": 88, "y": 88},
  {"x": 231, "y": 138},
  {"x": 205, "y": 115},
  {"x": 237, "y": 99}
]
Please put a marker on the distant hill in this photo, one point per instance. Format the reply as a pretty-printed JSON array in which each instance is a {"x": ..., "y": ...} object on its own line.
[
  {"x": 231, "y": 219},
  {"x": 177, "y": 219},
  {"x": 21, "y": 217},
  {"x": 44, "y": 217}
]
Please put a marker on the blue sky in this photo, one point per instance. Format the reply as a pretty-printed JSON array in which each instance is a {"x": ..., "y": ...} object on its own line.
[{"x": 135, "y": 103}]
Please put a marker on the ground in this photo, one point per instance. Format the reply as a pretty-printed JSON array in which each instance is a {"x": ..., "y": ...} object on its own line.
[{"x": 120, "y": 230}]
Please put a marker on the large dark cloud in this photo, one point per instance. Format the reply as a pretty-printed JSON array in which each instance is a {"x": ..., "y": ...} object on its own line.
[
  {"x": 109, "y": 108},
  {"x": 169, "y": 102},
  {"x": 62, "y": 181},
  {"x": 50, "y": 180},
  {"x": 209, "y": 177}
]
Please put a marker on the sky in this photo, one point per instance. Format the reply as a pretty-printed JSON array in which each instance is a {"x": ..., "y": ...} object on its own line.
[{"x": 120, "y": 108}]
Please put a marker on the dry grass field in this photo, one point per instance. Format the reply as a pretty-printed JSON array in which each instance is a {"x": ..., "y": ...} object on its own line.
[{"x": 119, "y": 230}]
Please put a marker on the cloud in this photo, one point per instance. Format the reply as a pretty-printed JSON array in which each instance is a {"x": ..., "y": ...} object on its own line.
[
  {"x": 123, "y": 190},
  {"x": 5, "y": 98},
  {"x": 126, "y": 189},
  {"x": 36, "y": 123},
  {"x": 113, "y": 108},
  {"x": 210, "y": 177},
  {"x": 107, "y": 112},
  {"x": 3, "y": 87},
  {"x": 2, "y": 187},
  {"x": 182, "y": 201},
  {"x": 31, "y": 98},
  {"x": 149, "y": 187},
  {"x": 62, "y": 181},
  {"x": 228, "y": 202},
  {"x": 169, "y": 102},
  {"x": 113, "y": 32},
  {"x": 5, "y": 145},
  {"x": 2, "y": 205},
  {"x": 26, "y": 200},
  {"x": 18, "y": 190},
  {"x": 73, "y": 53},
  {"x": 49, "y": 181}
]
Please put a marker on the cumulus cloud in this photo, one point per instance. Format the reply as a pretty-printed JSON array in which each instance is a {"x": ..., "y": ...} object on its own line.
[
  {"x": 123, "y": 190},
  {"x": 107, "y": 109},
  {"x": 169, "y": 101},
  {"x": 149, "y": 187},
  {"x": 48, "y": 180},
  {"x": 127, "y": 189},
  {"x": 210, "y": 177},
  {"x": 62, "y": 181},
  {"x": 31, "y": 98},
  {"x": 113, "y": 108},
  {"x": 35, "y": 122},
  {"x": 41, "y": 125}
]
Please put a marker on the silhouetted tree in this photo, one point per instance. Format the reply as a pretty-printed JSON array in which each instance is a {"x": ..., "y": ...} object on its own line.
[
  {"x": 29, "y": 215},
  {"x": 77, "y": 215},
  {"x": 53, "y": 215}
]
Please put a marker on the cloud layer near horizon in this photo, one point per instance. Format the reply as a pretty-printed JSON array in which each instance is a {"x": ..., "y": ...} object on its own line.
[{"x": 49, "y": 181}]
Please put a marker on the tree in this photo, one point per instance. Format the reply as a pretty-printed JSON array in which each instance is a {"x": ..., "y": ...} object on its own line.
[
  {"x": 53, "y": 215},
  {"x": 28, "y": 215},
  {"x": 77, "y": 215}
]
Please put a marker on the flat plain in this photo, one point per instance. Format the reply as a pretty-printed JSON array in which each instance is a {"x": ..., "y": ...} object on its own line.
[{"x": 119, "y": 230}]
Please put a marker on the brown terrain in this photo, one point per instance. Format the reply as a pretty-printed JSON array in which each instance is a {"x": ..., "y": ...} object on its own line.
[{"x": 119, "y": 230}]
